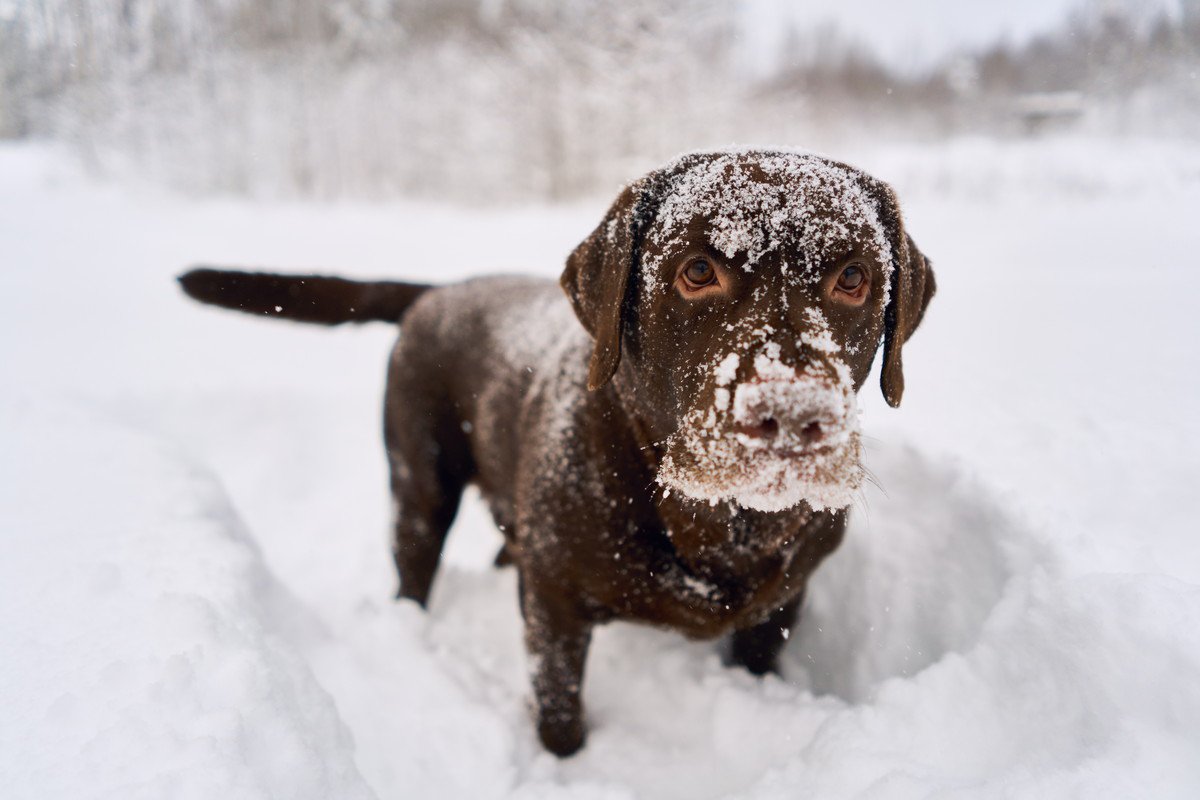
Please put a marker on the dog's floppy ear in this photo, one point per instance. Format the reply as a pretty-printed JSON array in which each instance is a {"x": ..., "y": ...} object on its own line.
[
  {"x": 912, "y": 287},
  {"x": 596, "y": 281}
]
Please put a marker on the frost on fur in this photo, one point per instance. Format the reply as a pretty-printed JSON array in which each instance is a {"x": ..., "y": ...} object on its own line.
[{"x": 781, "y": 199}]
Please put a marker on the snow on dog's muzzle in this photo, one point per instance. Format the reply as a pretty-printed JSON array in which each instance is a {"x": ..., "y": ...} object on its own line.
[{"x": 772, "y": 441}]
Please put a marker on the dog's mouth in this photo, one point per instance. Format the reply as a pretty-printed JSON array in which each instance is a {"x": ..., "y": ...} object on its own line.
[
  {"x": 815, "y": 451},
  {"x": 767, "y": 464},
  {"x": 766, "y": 478}
]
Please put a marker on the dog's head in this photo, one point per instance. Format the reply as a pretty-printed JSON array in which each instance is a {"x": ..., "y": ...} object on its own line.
[{"x": 736, "y": 300}]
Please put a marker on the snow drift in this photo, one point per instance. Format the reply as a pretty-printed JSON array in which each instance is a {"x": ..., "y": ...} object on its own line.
[{"x": 194, "y": 598}]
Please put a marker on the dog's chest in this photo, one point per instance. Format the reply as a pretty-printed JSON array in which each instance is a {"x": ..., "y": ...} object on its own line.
[{"x": 704, "y": 577}]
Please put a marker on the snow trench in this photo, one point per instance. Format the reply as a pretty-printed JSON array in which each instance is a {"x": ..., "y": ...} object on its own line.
[{"x": 943, "y": 647}]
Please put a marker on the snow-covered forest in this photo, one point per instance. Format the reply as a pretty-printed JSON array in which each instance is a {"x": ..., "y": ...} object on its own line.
[
  {"x": 483, "y": 100},
  {"x": 196, "y": 584}
]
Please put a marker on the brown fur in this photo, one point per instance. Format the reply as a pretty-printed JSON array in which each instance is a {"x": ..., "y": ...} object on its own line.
[{"x": 564, "y": 428}]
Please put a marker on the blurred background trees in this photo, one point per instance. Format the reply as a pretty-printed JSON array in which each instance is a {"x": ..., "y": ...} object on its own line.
[{"x": 497, "y": 100}]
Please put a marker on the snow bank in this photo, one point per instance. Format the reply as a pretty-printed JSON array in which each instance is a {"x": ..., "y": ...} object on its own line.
[
  {"x": 1015, "y": 611},
  {"x": 143, "y": 655}
]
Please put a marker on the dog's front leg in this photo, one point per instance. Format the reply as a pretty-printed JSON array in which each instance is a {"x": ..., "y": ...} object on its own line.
[
  {"x": 556, "y": 639},
  {"x": 757, "y": 648}
]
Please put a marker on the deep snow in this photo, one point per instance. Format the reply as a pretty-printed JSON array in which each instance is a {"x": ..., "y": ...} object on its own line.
[{"x": 194, "y": 594}]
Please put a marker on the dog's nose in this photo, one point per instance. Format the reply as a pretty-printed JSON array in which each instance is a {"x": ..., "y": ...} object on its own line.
[
  {"x": 790, "y": 415},
  {"x": 809, "y": 430},
  {"x": 811, "y": 433},
  {"x": 764, "y": 429}
]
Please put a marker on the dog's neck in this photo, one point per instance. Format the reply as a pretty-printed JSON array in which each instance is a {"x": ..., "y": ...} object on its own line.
[{"x": 727, "y": 541}]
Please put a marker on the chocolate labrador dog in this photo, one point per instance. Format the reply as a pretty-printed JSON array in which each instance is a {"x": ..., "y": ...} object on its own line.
[{"x": 674, "y": 441}]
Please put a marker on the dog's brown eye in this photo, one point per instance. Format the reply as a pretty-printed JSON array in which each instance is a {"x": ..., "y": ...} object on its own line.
[
  {"x": 852, "y": 286},
  {"x": 699, "y": 273},
  {"x": 851, "y": 279}
]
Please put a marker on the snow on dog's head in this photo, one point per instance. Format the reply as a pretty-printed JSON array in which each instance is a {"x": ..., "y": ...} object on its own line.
[{"x": 737, "y": 300}]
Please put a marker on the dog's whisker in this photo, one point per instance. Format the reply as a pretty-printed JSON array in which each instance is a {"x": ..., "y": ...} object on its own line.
[
  {"x": 870, "y": 477},
  {"x": 862, "y": 503},
  {"x": 663, "y": 440}
]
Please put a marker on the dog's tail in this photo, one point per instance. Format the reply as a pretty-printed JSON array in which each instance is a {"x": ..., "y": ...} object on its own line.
[{"x": 303, "y": 298}]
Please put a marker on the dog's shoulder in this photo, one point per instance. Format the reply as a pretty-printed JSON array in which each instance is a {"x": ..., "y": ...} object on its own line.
[
  {"x": 515, "y": 318},
  {"x": 510, "y": 348}
]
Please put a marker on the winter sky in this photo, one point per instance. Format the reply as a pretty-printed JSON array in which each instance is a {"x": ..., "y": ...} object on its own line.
[{"x": 916, "y": 33}]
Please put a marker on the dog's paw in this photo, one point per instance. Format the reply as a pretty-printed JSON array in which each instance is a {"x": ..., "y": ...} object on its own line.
[
  {"x": 563, "y": 737},
  {"x": 756, "y": 663}
]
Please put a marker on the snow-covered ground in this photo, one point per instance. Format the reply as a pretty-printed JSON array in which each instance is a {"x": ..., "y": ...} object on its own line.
[{"x": 195, "y": 584}]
